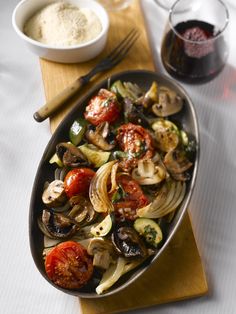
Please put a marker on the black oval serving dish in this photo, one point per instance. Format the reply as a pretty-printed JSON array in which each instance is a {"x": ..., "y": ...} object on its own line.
[{"x": 187, "y": 117}]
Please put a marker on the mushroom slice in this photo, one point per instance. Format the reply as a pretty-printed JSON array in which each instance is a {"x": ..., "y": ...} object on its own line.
[
  {"x": 71, "y": 155},
  {"x": 128, "y": 243},
  {"x": 177, "y": 163},
  {"x": 168, "y": 104},
  {"x": 147, "y": 173},
  {"x": 82, "y": 210},
  {"x": 58, "y": 226},
  {"x": 54, "y": 194},
  {"x": 99, "y": 136},
  {"x": 102, "y": 251}
]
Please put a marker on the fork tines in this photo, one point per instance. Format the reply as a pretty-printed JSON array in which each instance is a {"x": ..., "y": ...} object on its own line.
[{"x": 121, "y": 50}]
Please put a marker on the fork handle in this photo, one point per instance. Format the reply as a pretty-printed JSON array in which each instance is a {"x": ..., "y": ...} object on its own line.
[{"x": 55, "y": 103}]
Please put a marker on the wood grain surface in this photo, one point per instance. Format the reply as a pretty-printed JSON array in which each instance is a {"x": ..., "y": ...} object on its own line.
[
  {"x": 179, "y": 273},
  {"x": 57, "y": 76}
]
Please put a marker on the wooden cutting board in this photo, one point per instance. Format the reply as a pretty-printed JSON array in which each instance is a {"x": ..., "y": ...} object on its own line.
[
  {"x": 178, "y": 274},
  {"x": 57, "y": 76}
]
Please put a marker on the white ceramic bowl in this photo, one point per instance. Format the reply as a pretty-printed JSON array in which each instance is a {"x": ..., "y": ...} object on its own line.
[{"x": 72, "y": 54}]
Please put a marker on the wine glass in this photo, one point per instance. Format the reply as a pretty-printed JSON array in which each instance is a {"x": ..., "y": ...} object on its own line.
[
  {"x": 115, "y": 5},
  {"x": 165, "y": 4},
  {"x": 195, "y": 44}
]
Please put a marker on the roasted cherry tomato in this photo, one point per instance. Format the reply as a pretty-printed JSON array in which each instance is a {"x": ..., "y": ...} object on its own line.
[
  {"x": 136, "y": 142},
  {"x": 77, "y": 181},
  {"x": 68, "y": 265},
  {"x": 128, "y": 198},
  {"x": 103, "y": 107}
]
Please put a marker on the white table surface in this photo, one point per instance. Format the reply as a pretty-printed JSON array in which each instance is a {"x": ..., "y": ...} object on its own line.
[{"x": 22, "y": 141}]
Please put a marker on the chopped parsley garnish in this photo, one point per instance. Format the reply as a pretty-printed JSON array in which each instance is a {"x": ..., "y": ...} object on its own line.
[
  {"x": 118, "y": 195},
  {"x": 150, "y": 235}
]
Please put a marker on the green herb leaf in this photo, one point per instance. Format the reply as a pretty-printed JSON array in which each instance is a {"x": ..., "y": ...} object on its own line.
[{"x": 150, "y": 234}]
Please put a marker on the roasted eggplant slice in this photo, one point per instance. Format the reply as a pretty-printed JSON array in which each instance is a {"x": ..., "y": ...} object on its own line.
[
  {"x": 128, "y": 243},
  {"x": 57, "y": 226},
  {"x": 71, "y": 155}
]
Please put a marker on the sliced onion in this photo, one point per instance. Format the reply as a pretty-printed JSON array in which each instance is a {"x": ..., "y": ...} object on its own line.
[
  {"x": 169, "y": 198},
  {"x": 60, "y": 173},
  {"x": 85, "y": 243},
  {"x": 98, "y": 188},
  {"x": 57, "y": 174},
  {"x": 46, "y": 251},
  {"x": 63, "y": 208},
  {"x": 84, "y": 233},
  {"x": 44, "y": 229},
  {"x": 166, "y": 201},
  {"x": 131, "y": 264},
  {"x": 63, "y": 173},
  {"x": 159, "y": 200},
  {"x": 156, "y": 158},
  {"x": 49, "y": 242},
  {"x": 163, "y": 210},
  {"x": 180, "y": 199},
  {"x": 113, "y": 273},
  {"x": 114, "y": 185},
  {"x": 164, "y": 196}
]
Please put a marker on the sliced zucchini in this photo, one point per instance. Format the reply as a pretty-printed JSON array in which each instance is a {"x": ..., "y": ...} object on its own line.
[
  {"x": 95, "y": 156},
  {"x": 126, "y": 90},
  {"x": 77, "y": 131},
  {"x": 119, "y": 89},
  {"x": 167, "y": 124},
  {"x": 149, "y": 229},
  {"x": 57, "y": 160},
  {"x": 102, "y": 229},
  {"x": 167, "y": 134}
]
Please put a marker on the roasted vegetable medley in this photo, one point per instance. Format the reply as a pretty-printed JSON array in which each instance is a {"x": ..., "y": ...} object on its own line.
[{"x": 120, "y": 176}]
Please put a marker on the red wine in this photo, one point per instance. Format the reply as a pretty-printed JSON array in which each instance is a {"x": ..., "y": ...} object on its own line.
[{"x": 193, "y": 57}]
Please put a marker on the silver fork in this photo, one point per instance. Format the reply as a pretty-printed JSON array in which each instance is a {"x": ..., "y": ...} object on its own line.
[{"x": 111, "y": 60}]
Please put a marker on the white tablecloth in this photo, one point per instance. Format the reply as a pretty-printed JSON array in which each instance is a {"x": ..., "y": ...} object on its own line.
[{"x": 22, "y": 141}]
